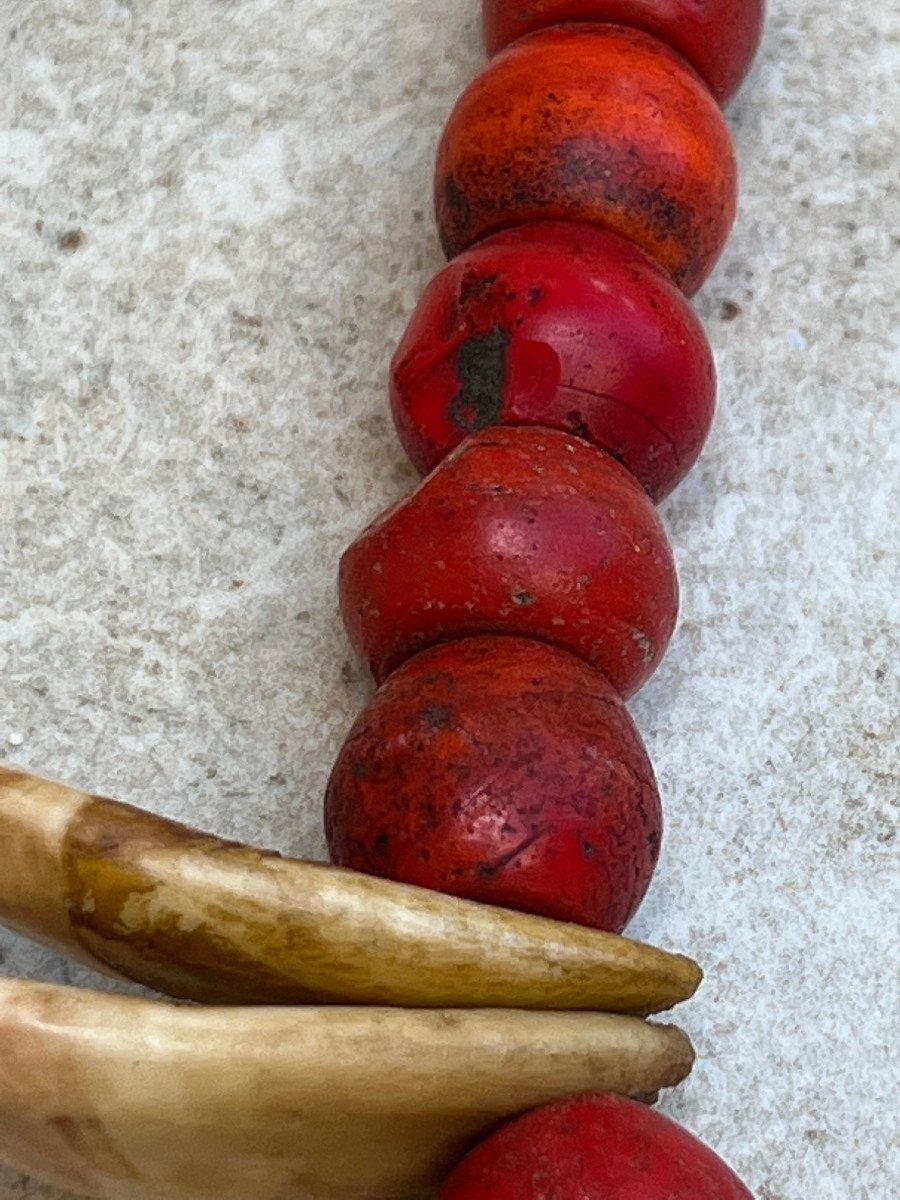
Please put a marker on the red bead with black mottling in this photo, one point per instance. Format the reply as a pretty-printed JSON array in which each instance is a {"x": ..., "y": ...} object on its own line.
[
  {"x": 717, "y": 37},
  {"x": 501, "y": 770},
  {"x": 592, "y": 123},
  {"x": 520, "y": 530},
  {"x": 559, "y": 324}
]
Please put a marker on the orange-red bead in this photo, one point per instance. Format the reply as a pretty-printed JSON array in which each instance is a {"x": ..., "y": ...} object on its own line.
[{"x": 592, "y": 123}]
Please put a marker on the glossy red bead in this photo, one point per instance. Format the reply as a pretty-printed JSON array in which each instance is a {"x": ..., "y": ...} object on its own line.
[
  {"x": 502, "y": 770},
  {"x": 558, "y": 324},
  {"x": 591, "y": 123},
  {"x": 717, "y": 37},
  {"x": 524, "y": 531}
]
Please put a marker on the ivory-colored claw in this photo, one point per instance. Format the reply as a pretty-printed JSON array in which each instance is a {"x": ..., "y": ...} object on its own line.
[
  {"x": 147, "y": 899},
  {"x": 124, "y": 1099}
]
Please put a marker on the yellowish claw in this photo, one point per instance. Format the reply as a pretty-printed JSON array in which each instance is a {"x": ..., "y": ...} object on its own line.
[
  {"x": 124, "y": 1099},
  {"x": 146, "y": 899}
]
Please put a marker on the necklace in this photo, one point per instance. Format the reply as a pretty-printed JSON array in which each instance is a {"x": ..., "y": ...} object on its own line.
[{"x": 522, "y": 601}]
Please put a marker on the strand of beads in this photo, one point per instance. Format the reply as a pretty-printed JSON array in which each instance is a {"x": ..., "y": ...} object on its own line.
[{"x": 556, "y": 383}]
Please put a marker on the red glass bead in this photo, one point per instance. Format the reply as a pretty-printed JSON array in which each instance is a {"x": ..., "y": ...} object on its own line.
[
  {"x": 591, "y": 123},
  {"x": 524, "y": 531},
  {"x": 502, "y": 770},
  {"x": 717, "y": 37},
  {"x": 558, "y": 324}
]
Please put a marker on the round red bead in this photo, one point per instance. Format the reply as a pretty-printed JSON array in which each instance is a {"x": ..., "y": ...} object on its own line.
[
  {"x": 594, "y": 123},
  {"x": 558, "y": 324},
  {"x": 601, "y": 1147},
  {"x": 502, "y": 770},
  {"x": 717, "y": 37},
  {"x": 524, "y": 531}
]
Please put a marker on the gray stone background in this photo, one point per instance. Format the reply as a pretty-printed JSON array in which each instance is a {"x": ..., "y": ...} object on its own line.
[{"x": 214, "y": 223}]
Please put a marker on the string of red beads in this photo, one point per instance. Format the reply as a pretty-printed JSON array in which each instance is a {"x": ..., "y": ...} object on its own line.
[{"x": 556, "y": 383}]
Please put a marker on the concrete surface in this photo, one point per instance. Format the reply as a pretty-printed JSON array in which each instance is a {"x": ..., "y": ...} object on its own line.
[{"x": 214, "y": 221}]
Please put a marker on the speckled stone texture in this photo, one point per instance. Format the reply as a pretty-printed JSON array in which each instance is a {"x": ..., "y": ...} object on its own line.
[{"x": 214, "y": 222}]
